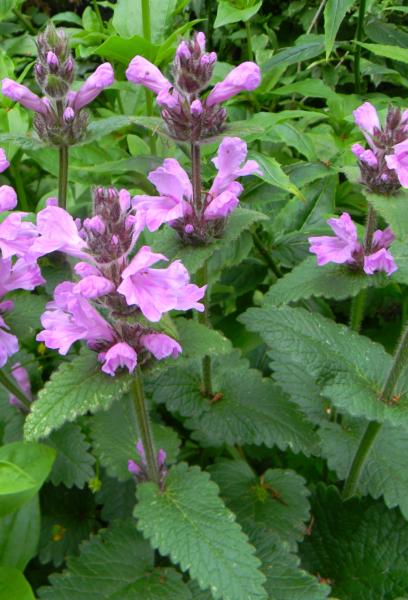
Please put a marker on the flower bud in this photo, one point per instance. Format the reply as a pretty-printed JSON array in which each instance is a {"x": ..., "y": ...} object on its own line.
[
  {"x": 247, "y": 76},
  {"x": 102, "y": 78},
  {"x": 69, "y": 115},
  {"x": 52, "y": 61},
  {"x": 20, "y": 93},
  {"x": 196, "y": 108}
]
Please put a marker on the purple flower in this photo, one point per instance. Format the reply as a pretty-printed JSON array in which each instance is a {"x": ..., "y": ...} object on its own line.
[
  {"x": 20, "y": 93},
  {"x": 94, "y": 286},
  {"x": 221, "y": 206},
  {"x": 156, "y": 291},
  {"x": 69, "y": 318},
  {"x": 366, "y": 156},
  {"x": 4, "y": 164},
  {"x": 196, "y": 108},
  {"x": 120, "y": 355},
  {"x": 140, "y": 470},
  {"x": 22, "y": 378},
  {"x": 52, "y": 60},
  {"x": 231, "y": 154},
  {"x": 247, "y": 76},
  {"x": 382, "y": 260},
  {"x": 366, "y": 118},
  {"x": 16, "y": 236},
  {"x": 58, "y": 231},
  {"x": 84, "y": 269},
  {"x": 8, "y": 343},
  {"x": 23, "y": 274},
  {"x": 145, "y": 73},
  {"x": 161, "y": 345},
  {"x": 338, "y": 249},
  {"x": 399, "y": 162},
  {"x": 8, "y": 196},
  {"x": 102, "y": 78},
  {"x": 69, "y": 114}
]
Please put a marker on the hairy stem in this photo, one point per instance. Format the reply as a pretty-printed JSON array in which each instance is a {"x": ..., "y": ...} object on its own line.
[
  {"x": 357, "y": 310},
  {"x": 371, "y": 223},
  {"x": 196, "y": 175},
  {"x": 147, "y": 34},
  {"x": 357, "y": 52},
  {"x": 14, "y": 389},
  {"x": 63, "y": 176},
  {"x": 145, "y": 429},
  {"x": 398, "y": 364}
]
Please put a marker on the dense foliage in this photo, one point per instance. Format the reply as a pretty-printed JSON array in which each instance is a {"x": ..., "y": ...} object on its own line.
[{"x": 203, "y": 269}]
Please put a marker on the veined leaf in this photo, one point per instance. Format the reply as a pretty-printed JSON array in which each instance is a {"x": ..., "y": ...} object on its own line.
[
  {"x": 334, "y": 13},
  {"x": 295, "y": 54},
  {"x": 228, "y": 13},
  {"x": 273, "y": 174},
  {"x": 73, "y": 465},
  {"x": 189, "y": 522}
]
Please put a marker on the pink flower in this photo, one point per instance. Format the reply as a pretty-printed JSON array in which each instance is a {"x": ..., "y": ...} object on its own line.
[
  {"x": 221, "y": 206},
  {"x": 20, "y": 93},
  {"x": 8, "y": 196},
  {"x": 366, "y": 156},
  {"x": 70, "y": 318},
  {"x": 399, "y": 162},
  {"x": 84, "y": 269},
  {"x": 22, "y": 378},
  {"x": 23, "y": 274},
  {"x": 161, "y": 345},
  {"x": 58, "y": 231},
  {"x": 68, "y": 115},
  {"x": 120, "y": 355},
  {"x": 156, "y": 291},
  {"x": 169, "y": 99},
  {"x": 382, "y": 260},
  {"x": 4, "y": 164},
  {"x": 196, "y": 108},
  {"x": 366, "y": 118},
  {"x": 8, "y": 343},
  {"x": 16, "y": 236},
  {"x": 145, "y": 73},
  {"x": 174, "y": 187},
  {"x": 94, "y": 286},
  {"x": 247, "y": 76},
  {"x": 102, "y": 78},
  {"x": 338, "y": 249},
  {"x": 231, "y": 154}
]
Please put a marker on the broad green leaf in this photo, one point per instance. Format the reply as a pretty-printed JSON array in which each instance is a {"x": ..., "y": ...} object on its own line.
[
  {"x": 393, "y": 52},
  {"x": 116, "y": 564},
  {"x": 273, "y": 174},
  {"x": 308, "y": 280},
  {"x": 168, "y": 243},
  {"x": 295, "y": 54},
  {"x": 334, "y": 13},
  {"x": 115, "y": 433},
  {"x": 228, "y": 13},
  {"x": 14, "y": 585},
  {"x": 394, "y": 210},
  {"x": 74, "y": 462},
  {"x": 198, "y": 340},
  {"x": 358, "y": 546},
  {"x": 127, "y": 18},
  {"x": 24, "y": 467},
  {"x": 351, "y": 368},
  {"x": 74, "y": 389},
  {"x": 246, "y": 408},
  {"x": 385, "y": 472},
  {"x": 314, "y": 88},
  {"x": 189, "y": 523},
  {"x": 19, "y": 535},
  {"x": 276, "y": 502},
  {"x": 122, "y": 49},
  {"x": 7, "y": 6},
  {"x": 24, "y": 319}
]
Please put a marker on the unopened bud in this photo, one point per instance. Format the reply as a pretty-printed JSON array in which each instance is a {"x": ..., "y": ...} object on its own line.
[
  {"x": 189, "y": 228},
  {"x": 69, "y": 115},
  {"x": 183, "y": 51},
  {"x": 196, "y": 108},
  {"x": 52, "y": 60}
]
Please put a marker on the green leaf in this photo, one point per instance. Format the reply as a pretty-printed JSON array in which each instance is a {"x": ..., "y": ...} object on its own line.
[
  {"x": 116, "y": 564},
  {"x": 24, "y": 467},
  {"x": 74, "y": 389},
  {"x": 385, "y": 472},
  {"x": 393, "y": 52},
  {"x": 295, "y": 54},
  {"x": 189, "y": 522},
  {"x": 276, "y": 502},
  {"x": 123, "y": 50},
  {"x": 359, "y": 546},
  {"x": 228, "y": 13},
  {"x": 14, "y": 585},
  {"x": 314, "y": 88},
  {"x": 247, "y": 408},
  {"x": 168, "y": 243},
  {"x": 19, "y": 535},
  {"x": 115, "y": 433},
  {"x": 197, "y": 340},
  {"x": 24, "y": 319},
  {"x": 334, "y": 13},
  {"x": 273, "y": 174},
  {"x": 308, "y": 280},
  {"x": 7, "y": 6},
  {"x": 351, "y": 368},
  {"x": 127, "y": 18},
  {"x": 74, "y": 462},
  {"x": 394, "y": 210}
]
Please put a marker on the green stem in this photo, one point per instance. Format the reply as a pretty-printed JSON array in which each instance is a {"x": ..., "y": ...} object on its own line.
[
  {"x": 14, "y": 389},
  {"x": 357, "y": 310},
  {"x": 250, "y": 52},
  {"x": 266, "y": 255},
  {"x": 98, "y": 13},
  {"x": 147, "y": 34},
  {"x": 145, "y": 429},
  {"x": 63, "y": 176},
  {"x": 357, "y": 52},
  {"x": 398, "y": 364}
]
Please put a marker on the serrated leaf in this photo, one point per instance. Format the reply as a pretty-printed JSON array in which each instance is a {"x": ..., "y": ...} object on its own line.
[
  {"x": 358, "y": 546},
  {"x": 74, "y": 389},
  {"x": 228, "y": 13},
  {"x": 189, "y": 522},
  {"x": 73, "y": 465},
  {"x": 116, "y": 564},
  {"x": 115, "y": 433},
  {"x": 273, "y": 174},
  {"x": 394, "y": 209},
  {"x": 168, "y": 243},
  {"x": 308, "y": 280},
  {"x": 334, "y": 13},
  {"x": 13, "y": 584},
  {"x": 247, "y": 409},
  {"x": 276, "y": 502},
  {"x": 197, "y": 340},
  {"x": 350, "y": 367}
]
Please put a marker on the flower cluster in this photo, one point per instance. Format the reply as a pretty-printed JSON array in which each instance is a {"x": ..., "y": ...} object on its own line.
[
  {"x": 384, "y": 165},
  {"x": 139, "y": 470},
  {"x": 345, "y": 247},
  {"x": 187, "y": 116},
  {"x": 59, "y": 116},
  {"x": 197, "y": 224},
  {"x": 116, "y": 296},
  {"x": 18, "y": 266}
]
